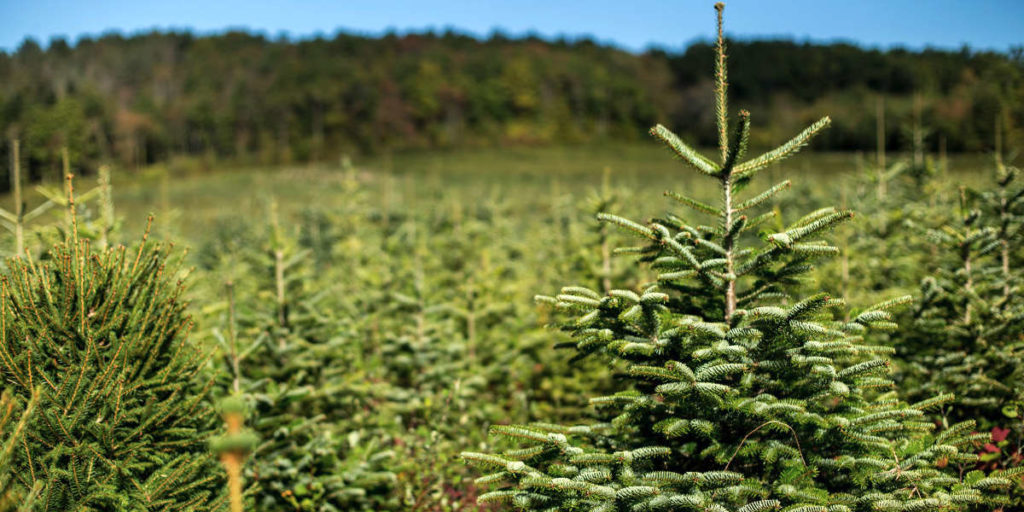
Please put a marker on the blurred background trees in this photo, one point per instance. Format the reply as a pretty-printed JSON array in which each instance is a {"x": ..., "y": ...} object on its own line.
[{"x": 239, "y": 96}]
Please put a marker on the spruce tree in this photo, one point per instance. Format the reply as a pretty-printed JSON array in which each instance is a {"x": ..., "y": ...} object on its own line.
[
  {"x": 99, "y": 225},
  {"x": 741, "y": 396},
  {"x": 123, "y": 417}
]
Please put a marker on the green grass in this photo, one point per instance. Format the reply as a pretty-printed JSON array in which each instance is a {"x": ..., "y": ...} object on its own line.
[{"x": 534, "y": 179}]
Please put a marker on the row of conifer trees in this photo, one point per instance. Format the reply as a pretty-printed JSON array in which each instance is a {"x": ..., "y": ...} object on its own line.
[{"x": 357, "y": 348}]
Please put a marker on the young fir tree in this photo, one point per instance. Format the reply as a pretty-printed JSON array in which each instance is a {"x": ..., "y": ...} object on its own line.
[
  {"x": 967, "y": 335},
  {"x": 597, "y": 261},
  {"x": 741, "y": 398},
  {"x": 882, "y": 252},
  {"x": 123, "y": 420},
  {"x": 288, "y": 353}
]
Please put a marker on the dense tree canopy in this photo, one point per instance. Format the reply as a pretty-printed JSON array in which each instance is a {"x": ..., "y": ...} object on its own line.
[{"x": 147, "y": 97}]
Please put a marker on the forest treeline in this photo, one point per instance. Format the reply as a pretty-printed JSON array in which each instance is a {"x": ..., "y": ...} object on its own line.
[{"x": 146, "y": 98}]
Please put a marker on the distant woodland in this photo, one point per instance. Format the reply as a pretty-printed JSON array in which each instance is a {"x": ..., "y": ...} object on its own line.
[{"x": 238, "y": 96}]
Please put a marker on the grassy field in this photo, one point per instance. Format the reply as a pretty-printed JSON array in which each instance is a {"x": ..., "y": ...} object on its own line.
[{"x": 530, "y": 180}]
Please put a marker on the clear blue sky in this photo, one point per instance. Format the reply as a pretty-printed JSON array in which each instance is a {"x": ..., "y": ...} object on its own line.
[{"x": 632, "y": 24}]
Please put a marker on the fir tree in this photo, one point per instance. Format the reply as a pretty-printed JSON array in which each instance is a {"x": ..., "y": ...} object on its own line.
[
  {"x": 968, "y": 315},
  {"x": 742, "y": 397},
  {"x": 288, "y": 352},
  {"x": 967, "y": 330},
  {"x": 17, "y": 220},
  {"x": 122, "y": 419}
]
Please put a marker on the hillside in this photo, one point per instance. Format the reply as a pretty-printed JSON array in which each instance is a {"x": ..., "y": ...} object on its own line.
[{"x": 147, "y": 97}]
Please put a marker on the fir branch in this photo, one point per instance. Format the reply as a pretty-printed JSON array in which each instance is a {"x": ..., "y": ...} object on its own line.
[
  {"x": 784, "y": 151},
  {"x": 696, "y": 205},
  {"x": 764, "y": 196},
  {"x": 685, "y": 152}
]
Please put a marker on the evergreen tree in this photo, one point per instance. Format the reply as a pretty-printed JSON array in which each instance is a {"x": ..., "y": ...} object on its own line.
[
  {"x": 99, "y": 225},
  {"x": 967, "y": 331},
  {"x": 123, "y": 418},
  {"x": 288, "y": 350},
  {"x": 741, "y": 397}
]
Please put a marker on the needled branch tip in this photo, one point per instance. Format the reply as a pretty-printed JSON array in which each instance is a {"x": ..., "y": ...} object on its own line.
[
  {"x": 721, "y": 86},
  {"x": 738, "y": 146}
]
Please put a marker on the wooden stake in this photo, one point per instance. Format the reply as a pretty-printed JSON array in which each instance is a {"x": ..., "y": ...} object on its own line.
[
  {"x": 66, "y": 166},
  {"x": 232, "y": 461}
]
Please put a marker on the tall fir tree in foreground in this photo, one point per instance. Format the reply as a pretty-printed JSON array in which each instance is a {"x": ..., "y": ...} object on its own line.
[
  {"x": 122, "y": 420},
  {"x": 741, "y": 397}
]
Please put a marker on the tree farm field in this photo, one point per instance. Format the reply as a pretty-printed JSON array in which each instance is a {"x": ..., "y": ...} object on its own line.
[
  {"x": 444, "y": 272},
  {"x": 398, "y": 291},
  {"x": 532, "y": 181},
  {"x": 409, "y": 281},
  {"x": 547, "y": 192}
]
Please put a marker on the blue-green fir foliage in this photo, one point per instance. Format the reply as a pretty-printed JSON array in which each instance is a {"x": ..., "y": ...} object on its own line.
[
  {"x": 740, "y": 396},
  {"x": 967, "y": 335},
  {"x": 290, "y": 360}
]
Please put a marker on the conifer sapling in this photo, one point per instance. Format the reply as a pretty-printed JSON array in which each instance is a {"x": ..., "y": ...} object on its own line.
[
  {"x": 742, "y": 396},
  {"x": 122, "y": 418}
]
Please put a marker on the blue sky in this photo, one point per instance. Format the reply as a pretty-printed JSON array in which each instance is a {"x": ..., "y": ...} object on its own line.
[{"x": 632, "y": 24}]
